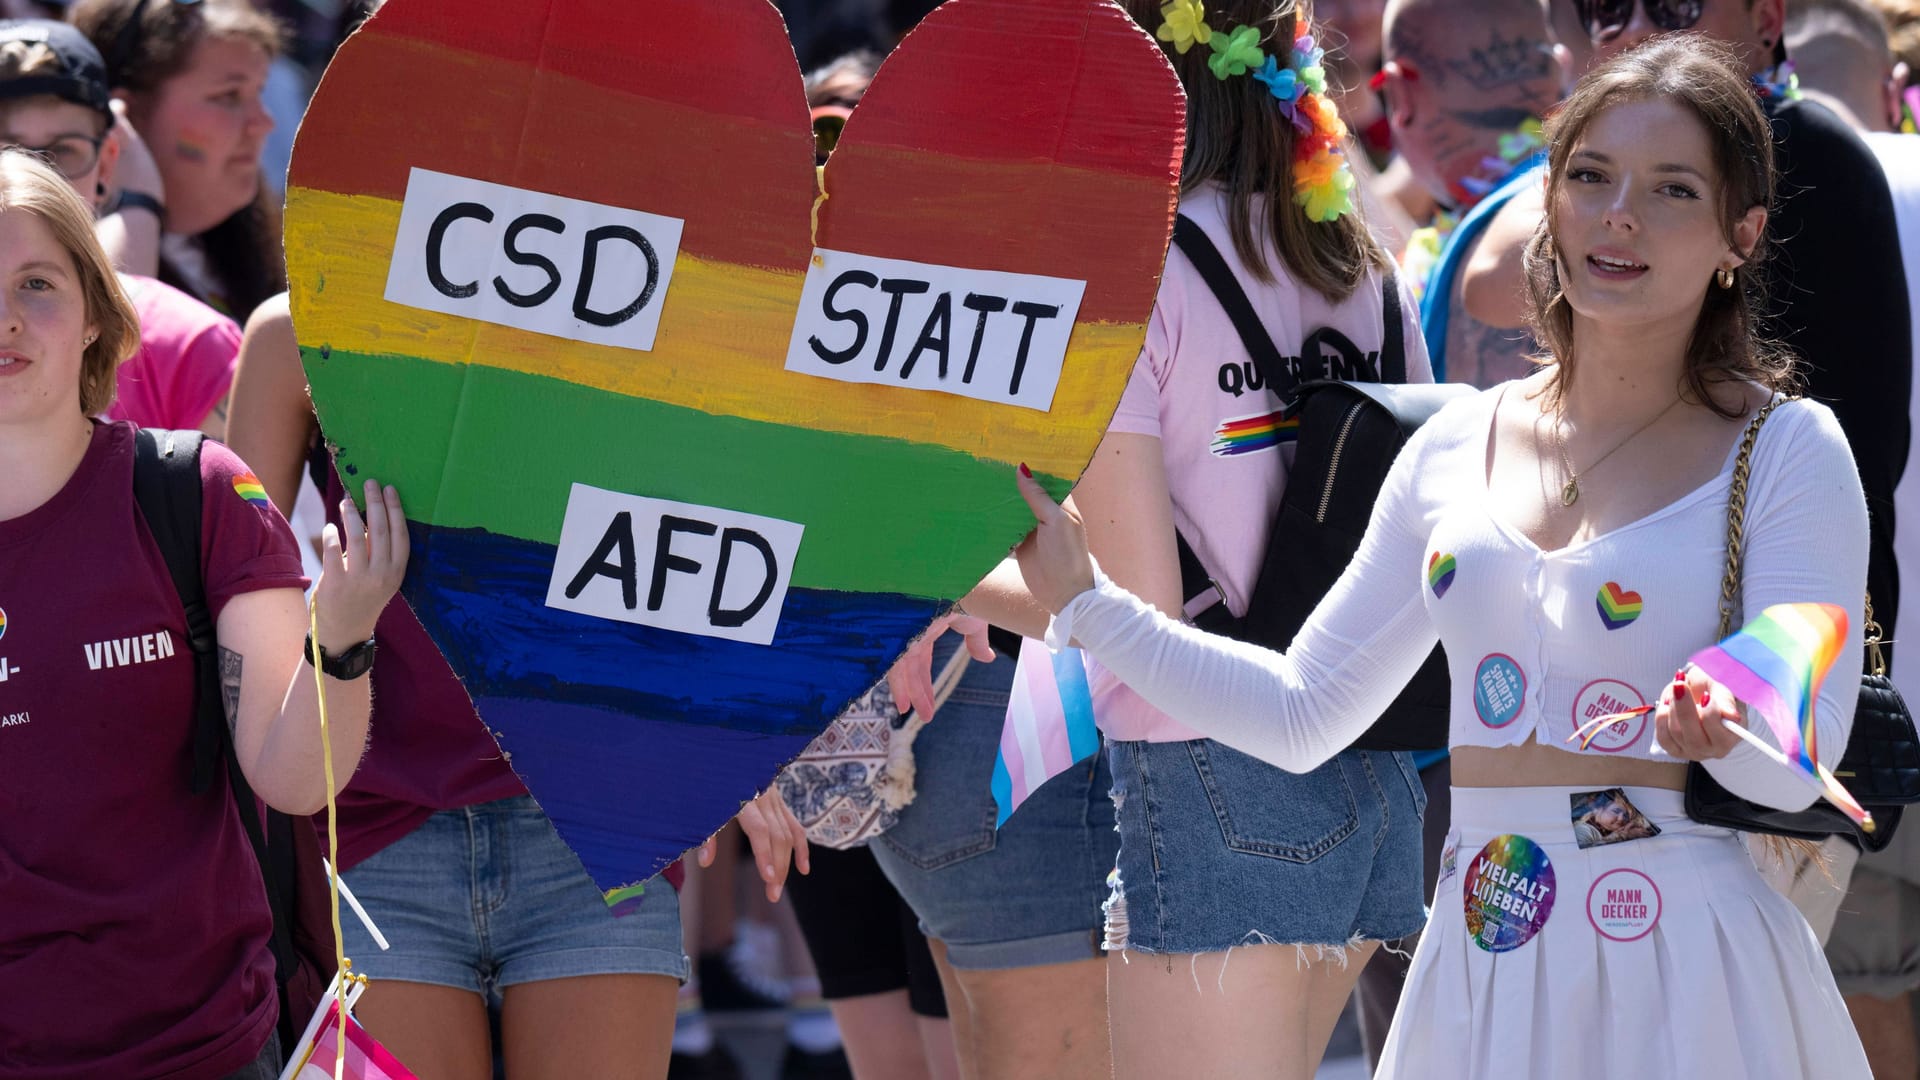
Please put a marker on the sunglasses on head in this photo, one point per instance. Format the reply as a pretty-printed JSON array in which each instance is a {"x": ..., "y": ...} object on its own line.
[{"x": 1605, "y": 19}]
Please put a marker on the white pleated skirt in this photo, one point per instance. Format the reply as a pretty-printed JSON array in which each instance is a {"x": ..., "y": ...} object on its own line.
[{"x": 1665, "y": 956}]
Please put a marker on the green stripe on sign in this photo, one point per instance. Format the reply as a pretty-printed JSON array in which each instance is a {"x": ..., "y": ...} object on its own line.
[{"x": 479, "y": 447}]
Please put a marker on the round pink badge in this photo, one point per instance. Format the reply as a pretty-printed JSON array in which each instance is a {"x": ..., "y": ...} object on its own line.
[
  {"x": 1604, "y": 697},
  {"x": 1623, "y": 905}
]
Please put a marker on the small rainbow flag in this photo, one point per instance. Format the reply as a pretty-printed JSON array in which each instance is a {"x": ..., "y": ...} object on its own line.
[
  {"x": 247, "y": 486},
  {"x": 1248, "y": 434},
  {"x": 1776, "y": 664},
  {"x": 1049, "y": 725}
]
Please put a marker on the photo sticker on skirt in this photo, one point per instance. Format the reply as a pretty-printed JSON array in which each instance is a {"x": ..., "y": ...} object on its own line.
[{"x": 1508, "y": 893}]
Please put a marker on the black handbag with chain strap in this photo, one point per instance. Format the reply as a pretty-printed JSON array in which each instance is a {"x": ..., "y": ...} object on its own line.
[{"x": 1881, "y": 766}]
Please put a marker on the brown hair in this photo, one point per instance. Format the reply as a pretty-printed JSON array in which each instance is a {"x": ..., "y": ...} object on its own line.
[
  {"x": 28, "y": 183},
  {"x": 1704, "y": 77},
  {"x": 1237, "y": 136},
  {"x": 147, "y": 42}
]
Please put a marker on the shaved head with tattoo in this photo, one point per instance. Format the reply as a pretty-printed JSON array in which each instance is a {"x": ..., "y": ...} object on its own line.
[{"x": 1460, "y": 74}]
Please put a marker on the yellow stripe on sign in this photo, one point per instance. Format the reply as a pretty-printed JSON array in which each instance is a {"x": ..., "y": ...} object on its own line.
[{"x": 721, "y": 348}]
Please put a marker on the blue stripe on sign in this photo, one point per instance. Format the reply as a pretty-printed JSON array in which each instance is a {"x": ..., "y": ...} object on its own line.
[
  {"x": 483, "y": 599},
  {"x": 630, "y": 793}
]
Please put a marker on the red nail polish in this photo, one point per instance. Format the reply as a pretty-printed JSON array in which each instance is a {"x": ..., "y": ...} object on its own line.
[
  {"x": 1026, "y": 472},
  {"x": 1705, "y": 696}
]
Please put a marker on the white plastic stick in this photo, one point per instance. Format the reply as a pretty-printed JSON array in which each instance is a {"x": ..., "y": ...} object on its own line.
[
  {"x": 1762, "y": 745},
  {"x": 301, "y": 1049},
  {"x": 365, "y": 919}
]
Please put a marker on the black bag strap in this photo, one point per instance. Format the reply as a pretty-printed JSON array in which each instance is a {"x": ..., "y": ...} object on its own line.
[
  {"x": 166, "y": 485},
  {"x": 1393, "y": 351},
  {"x": 1192, "y": 241}
]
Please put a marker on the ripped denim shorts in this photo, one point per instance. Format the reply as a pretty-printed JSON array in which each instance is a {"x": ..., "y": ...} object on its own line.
[{"x": 1219, "y": 849}]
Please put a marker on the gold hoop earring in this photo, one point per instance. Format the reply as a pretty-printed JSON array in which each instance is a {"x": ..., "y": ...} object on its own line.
[{"x": 1724, "y": 276}]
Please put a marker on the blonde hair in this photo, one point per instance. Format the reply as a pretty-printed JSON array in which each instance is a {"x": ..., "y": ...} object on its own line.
[{"x": 28, "y": 183}]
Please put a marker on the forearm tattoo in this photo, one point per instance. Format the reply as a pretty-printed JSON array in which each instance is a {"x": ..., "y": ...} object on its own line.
[{"x": 230, "y": 663}]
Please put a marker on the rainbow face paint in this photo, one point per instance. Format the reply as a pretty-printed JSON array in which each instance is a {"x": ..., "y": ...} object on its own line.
[{"x": 1508, "y": 893}]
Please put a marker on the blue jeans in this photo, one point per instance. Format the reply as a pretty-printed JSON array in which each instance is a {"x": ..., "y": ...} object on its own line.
[
  {"x": 1219, "y": 849},
  {"x": 488, "y": 896},
  {"x": 1026, "y": 895}
]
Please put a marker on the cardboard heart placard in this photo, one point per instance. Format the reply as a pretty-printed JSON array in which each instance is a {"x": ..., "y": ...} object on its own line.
[{"x": 690, "y": 455}]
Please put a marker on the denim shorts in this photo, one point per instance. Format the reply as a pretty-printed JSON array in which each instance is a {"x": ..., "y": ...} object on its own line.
[
  {"x": 1026, "y": 895},
  {"x": 1219, "y": 849},
  {"x": 488, "y": 896}
]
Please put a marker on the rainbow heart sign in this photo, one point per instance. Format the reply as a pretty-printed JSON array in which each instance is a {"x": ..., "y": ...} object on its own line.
[{"x": 693, "y": 442}]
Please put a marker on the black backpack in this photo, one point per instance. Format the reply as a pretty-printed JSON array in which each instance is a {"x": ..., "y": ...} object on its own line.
[
  {"x": 1349, "y": 435},
  {"x": 166, "y": 484}
]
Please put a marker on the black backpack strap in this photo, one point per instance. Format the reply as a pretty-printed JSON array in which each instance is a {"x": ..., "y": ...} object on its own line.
[
  {"x": 1192, "y": 241},
  {"x": 1393, "y": 353},
  {"x": 1198, "y": 592},
  {"x": 166, "y": 485}
]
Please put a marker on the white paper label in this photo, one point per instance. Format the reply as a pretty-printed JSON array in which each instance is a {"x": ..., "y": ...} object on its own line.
[
  {"x": 532, "y": 261},
  {"x": 674, "y": 565},
  {"x": 977, "y": 333}
]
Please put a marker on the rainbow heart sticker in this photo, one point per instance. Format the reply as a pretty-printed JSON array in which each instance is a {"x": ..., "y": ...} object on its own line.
[
  {"x": 247, "y": 486},
  {"x": 1440, "y": 569},
  {"x": 3, "y": 622},
  {"x": 1617, "y": 606}
]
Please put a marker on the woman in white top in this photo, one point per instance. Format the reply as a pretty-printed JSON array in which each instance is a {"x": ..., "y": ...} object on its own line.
[{"x": 1565, "y": 537}]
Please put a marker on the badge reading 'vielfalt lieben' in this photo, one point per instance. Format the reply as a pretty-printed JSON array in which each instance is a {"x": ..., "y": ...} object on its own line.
[{"x": 1508, "y": 893}]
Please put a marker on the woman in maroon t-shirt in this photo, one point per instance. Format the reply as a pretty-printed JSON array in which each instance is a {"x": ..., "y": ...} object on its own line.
[{"x": 135, "y": 939}]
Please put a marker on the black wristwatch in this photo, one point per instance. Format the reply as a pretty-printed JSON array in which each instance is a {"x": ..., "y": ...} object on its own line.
[
  {"x": 352, "y": 664},
  {"x": 140, "y": 200}
]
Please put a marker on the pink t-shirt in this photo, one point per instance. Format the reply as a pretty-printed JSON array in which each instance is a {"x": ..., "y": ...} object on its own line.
[
  {"x": 185, "y": 364},
  {"x": 133, "y": 922},
  {"x": 1196, "y": 389}
]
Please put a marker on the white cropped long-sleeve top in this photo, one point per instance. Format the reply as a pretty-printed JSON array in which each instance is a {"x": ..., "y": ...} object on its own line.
[{"x": 1538, "y": 642}]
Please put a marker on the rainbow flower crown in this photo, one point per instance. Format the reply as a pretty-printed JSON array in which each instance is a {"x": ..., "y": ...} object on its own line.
[{"x": 1323, "y": 182}]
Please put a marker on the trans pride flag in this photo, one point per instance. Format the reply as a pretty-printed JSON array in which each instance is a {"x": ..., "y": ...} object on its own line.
[
  {"x": 1049, "y": 725},
  {"x": 1776, "y": 663}
]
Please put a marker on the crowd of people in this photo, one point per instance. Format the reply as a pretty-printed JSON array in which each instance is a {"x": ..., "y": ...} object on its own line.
[{"x": 1670, "y": 249}]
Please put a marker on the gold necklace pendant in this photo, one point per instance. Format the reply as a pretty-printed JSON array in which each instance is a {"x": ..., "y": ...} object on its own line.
[{"x": 1571, "y": 493}]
